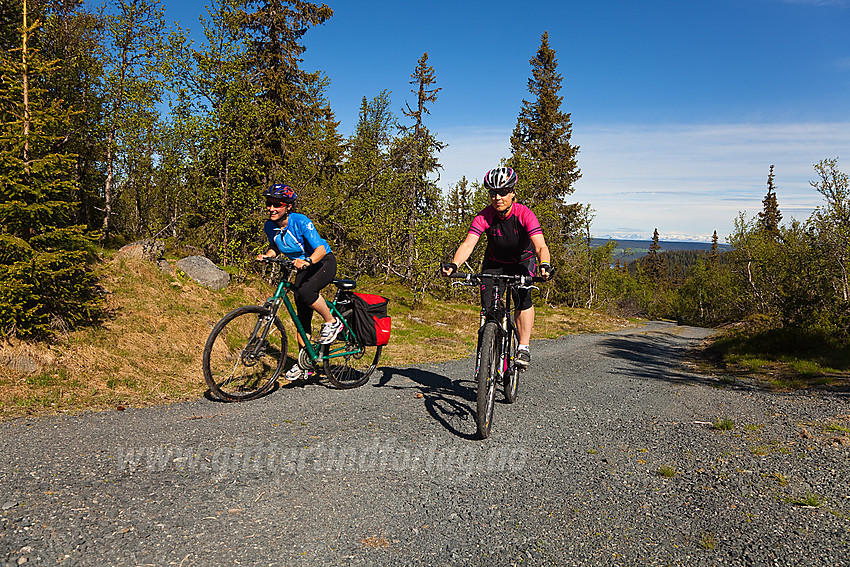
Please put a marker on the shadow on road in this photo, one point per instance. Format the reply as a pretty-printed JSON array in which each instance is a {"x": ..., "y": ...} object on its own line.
[
  {"x": 658, "y": 356},
  {"x": 659, "y": 352},
  {"x": 448, "y": 401}
]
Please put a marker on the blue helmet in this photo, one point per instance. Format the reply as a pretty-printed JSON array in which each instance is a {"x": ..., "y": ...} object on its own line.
[{"x": 281, "y": 192}]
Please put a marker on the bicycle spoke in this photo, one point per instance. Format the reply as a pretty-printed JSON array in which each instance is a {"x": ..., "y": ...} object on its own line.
[{"x": 239, "y": 365}]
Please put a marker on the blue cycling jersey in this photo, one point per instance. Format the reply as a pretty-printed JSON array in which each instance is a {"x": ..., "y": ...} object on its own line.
[{"x": 297, "y": 240}]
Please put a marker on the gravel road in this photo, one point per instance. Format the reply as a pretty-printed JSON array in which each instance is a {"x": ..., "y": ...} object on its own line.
[{"x": 608, "y": 457}]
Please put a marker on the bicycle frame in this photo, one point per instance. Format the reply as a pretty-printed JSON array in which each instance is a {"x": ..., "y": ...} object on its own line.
[
  {"x": 501, "y": 311},
  {"x": 281, "y": 296}
]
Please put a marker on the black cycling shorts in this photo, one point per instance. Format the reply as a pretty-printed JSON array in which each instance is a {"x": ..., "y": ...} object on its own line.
[
  {"x": 521, "y": 296},
  {"x": 307, "y": 285}
]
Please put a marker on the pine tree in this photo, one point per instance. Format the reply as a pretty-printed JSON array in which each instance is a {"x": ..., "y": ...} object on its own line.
[
  {"x": 45, "y": 278},
  {"x": 770, "y": 217}
]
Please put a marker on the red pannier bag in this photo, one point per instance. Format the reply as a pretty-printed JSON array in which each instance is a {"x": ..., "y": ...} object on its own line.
[{"x": 370, "y": 320}]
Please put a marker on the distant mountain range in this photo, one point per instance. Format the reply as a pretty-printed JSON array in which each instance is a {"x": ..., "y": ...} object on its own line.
[{"x": 628, "y": 250}]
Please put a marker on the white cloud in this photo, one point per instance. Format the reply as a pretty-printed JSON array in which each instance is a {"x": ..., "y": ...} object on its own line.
[{"x": 685, "y": 180}]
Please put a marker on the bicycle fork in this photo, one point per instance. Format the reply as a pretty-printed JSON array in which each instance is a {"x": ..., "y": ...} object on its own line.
[
  {"x": 257, "y": 345},
  {"x": 503, "y": 354}
]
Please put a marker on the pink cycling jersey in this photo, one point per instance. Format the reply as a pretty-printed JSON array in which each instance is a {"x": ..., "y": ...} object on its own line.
[{"x": 508, "y": 239}]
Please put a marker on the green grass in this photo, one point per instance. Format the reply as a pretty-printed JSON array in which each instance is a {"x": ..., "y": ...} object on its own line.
[
  {"x": 781, "y": 479},
  {"x": 836, "y": 428},
  {"x": 809, "y": 500},
  {"x": 666, "y": 471},
  {"x": 724, "y": 425},
  {"x": 781, "y": 359},
  {"x": 760, "y": 450},
  {"x": 707, "y": 541}
]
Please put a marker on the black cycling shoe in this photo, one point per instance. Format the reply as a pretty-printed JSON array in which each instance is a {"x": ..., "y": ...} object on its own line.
[{"x": 523, "y": 359}]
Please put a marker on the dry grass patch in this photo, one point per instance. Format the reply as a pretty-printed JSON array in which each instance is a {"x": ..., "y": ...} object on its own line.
[
  {"x": 375, "y": 542},
  {"x": 149, "y": 351}
]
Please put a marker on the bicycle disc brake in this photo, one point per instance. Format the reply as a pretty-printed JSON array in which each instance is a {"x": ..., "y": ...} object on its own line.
[{"x": 252, "y": 353}]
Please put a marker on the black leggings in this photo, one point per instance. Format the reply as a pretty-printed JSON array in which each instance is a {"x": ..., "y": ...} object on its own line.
[{"x": 308, "y": 282}]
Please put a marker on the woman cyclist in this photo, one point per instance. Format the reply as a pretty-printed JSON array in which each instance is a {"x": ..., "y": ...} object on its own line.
[
  {"x": 515, "y": 246},
  {"x": 293, "y": 235}
]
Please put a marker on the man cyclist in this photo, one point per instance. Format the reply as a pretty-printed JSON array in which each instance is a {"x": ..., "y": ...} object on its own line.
[{"x": 515, "y": 246}]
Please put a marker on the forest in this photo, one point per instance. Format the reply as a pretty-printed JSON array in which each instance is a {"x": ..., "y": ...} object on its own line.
[{"x": 89, "y": 161}]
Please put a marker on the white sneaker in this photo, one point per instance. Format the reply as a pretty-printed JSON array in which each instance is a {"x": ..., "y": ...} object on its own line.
[
  {"x": 329, "y": 332},
  {"x": 297, "y": 373}
]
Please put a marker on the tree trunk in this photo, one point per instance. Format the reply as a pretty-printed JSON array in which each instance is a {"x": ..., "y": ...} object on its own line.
[
  {"x": 25, "y": 39},
  {"x": 107, "y": 186}
]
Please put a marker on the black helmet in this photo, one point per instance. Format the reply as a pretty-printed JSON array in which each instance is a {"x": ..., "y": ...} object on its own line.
[
  {"x": 281, "y": 192},
  {"x": 500, "y": 178}
]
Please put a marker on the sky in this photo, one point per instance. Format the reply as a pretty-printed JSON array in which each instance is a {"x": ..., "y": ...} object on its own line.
[{"x": 679, "y": 107}]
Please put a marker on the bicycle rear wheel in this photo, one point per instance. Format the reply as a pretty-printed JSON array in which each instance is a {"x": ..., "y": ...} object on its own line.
[
  {"x": 486, "y": 378},
  {"x": 347, "y": 364},
  {"x": 238, "y": 364},
  {"x": 510, "y": 373}
]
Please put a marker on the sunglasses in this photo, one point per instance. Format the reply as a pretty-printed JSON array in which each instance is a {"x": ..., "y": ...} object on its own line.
[
  {"x": 278, "y": 205},
  {"x": 499, "y": 192}
]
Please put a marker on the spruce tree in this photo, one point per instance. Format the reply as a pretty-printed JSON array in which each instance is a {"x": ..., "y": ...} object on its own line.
[
  {"x": 364, "y": 216},
  {"x": 656, "y": 266},
  {"x": 290, "y": 100},
  {"x": 770, "y": 217},
  {"x": 714, "y": 255},
  {"x": 542, "y": 152},
  {"x": 46, "y": 283},
  {"x": 460, "y": 205},
  {"x": 545, "y": 158},
  {"x": 420, "y": 190}
]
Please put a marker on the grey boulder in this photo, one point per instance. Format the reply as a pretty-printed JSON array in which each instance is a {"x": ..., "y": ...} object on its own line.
[{"x": 204, "y": 272}]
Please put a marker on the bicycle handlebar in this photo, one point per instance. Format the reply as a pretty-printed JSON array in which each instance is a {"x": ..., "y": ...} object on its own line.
[
  {"x": 475, "y": 278},
  {"x": 283, "y": 260}
]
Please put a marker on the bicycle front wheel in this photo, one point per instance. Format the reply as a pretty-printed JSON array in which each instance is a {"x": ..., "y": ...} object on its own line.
[
  {"x": 239, "y": 363},
  {"x": 510, "y": 373},
  {"x": 488, "y": 369},
  {"x": 347, "y": 364}
]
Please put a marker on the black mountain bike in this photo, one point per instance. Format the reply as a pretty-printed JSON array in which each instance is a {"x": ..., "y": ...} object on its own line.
[
  {"x": 497, "y": 344},
  {"x": 246, "y": 350}
]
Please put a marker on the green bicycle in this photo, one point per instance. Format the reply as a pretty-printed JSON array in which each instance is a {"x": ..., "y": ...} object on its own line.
[{"x": 246, "y": 350}]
